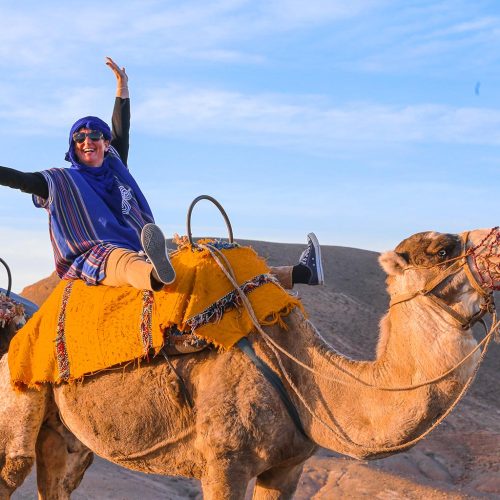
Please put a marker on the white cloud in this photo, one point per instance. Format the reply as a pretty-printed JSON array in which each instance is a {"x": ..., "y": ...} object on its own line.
[
  {"x": 307, "y": 121},
  {"x": 57, "y": 47},
  {"x": 296, "y": 121},
  {"x": 23, "y": 114},
  {"x": 432, "y": 35},
  {"x": 39, "y": 39},
  {"x": 58, "y": 42}
]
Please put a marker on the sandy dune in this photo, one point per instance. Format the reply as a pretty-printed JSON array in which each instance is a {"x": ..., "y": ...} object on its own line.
[{"x": 461, "y": 459}]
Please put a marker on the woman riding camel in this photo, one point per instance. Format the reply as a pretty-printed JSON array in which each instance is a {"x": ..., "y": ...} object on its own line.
[{"x": 101, "y": 226}]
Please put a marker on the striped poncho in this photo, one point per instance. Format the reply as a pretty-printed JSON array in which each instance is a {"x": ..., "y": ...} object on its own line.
[{"x": 83, "y": 228}]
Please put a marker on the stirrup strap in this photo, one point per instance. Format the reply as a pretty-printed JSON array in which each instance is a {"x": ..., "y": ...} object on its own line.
[
  {"x": 246, "y": 347},
  {"x": 182, "y": 384}
]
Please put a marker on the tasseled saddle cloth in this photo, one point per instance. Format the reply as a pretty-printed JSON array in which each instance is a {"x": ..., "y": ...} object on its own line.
[{"x": 81, "y": 329}]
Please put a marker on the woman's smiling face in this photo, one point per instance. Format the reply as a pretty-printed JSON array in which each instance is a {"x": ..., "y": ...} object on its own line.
[{"x": 91, "y": 152}]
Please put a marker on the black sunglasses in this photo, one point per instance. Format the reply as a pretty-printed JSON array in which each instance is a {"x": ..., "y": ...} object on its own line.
[{"x": 93, "y": 135}]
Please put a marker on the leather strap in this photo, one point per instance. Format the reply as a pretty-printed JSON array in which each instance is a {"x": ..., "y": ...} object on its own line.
[
  {"x": 430, "y": 286},
  {"x": 246, "y": 347},
  {"x": 182, "y": 384}
]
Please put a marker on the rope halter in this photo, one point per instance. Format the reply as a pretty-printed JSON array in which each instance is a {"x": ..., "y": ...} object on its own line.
[{"x": 483, "y": 256}]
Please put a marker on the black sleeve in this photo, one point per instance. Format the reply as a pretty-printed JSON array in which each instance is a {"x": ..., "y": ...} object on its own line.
[
  {"x": 32, "y": 183},
  {"x": 121, "y": 127}
]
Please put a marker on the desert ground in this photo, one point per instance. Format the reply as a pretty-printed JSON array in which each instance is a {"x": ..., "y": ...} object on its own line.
[{"x": 460, "y": 459}]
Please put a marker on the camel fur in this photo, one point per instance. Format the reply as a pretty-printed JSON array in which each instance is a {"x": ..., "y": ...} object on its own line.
[{"x": 239, "y": 428}]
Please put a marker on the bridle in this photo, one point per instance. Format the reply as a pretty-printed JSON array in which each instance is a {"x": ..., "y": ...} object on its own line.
[{"x": 487, "y": 304}]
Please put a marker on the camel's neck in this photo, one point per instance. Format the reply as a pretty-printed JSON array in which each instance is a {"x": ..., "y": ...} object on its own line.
[{"x": 412, "y": 350}]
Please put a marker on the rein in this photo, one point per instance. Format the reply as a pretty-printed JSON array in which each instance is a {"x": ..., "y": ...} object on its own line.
[{"x": 226, "y": 268}]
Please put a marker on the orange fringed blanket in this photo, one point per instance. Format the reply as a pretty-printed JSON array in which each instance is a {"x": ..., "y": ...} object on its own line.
[{"x": 81, "y": 329}]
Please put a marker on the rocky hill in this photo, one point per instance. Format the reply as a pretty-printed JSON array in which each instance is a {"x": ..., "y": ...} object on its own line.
[{"x": 461, "y": 459}]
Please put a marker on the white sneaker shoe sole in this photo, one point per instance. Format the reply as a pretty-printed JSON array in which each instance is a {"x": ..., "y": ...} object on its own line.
[
  {"x": 153, "y": 242},
  {"x": 319, "y": 261}
]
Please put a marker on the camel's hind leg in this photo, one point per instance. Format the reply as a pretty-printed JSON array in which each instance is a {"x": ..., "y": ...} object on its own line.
[
  {"x": 278, "y": 483},
  {"x": 61, "y": 459},
  {"x": 21, "y": 415}
]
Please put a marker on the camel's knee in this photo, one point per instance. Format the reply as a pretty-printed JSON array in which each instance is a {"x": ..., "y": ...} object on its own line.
[{"x": 13, "y": 472}]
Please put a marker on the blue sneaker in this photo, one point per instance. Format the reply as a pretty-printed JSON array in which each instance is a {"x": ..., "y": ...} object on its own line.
[
  {"x": 311, "y": 258},
  {"x": 155, "y": 248}
]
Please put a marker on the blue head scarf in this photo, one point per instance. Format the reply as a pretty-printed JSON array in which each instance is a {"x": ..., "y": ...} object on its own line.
[
  {"x": 102, "y": 179},
  {"x": 92, "y": 123}
]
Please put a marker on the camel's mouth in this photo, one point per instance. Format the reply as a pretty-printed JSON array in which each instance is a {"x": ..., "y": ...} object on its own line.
[{"x": 484, "y": 257}]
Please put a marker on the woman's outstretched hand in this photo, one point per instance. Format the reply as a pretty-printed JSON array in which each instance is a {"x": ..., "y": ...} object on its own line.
[{"x": 121, "y": 78}]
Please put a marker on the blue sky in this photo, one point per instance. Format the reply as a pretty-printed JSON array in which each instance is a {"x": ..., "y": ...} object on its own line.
[{"x": 364, "y": 121}]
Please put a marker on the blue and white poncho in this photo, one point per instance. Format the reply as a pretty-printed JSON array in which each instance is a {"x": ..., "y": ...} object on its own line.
[{"x": 92, "y": 210}]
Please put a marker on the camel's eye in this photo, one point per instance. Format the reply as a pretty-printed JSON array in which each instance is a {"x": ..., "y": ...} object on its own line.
[{"x": 442, "y": 253}]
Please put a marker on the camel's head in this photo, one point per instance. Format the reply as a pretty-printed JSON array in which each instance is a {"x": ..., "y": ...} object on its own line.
[
  {"x": 12, "y": 317},
  {"x": 7, "y": 332},
  {"x": 419, "y": 261}
]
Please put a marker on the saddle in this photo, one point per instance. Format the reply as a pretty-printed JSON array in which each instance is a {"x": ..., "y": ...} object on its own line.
[{"x": 81, "y": 329}]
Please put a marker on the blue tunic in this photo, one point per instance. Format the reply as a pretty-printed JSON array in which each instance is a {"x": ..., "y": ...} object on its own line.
[{"x": 85, "y": 227}]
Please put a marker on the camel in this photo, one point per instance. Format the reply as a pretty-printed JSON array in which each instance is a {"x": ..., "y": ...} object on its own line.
[{"x": 238, "y": 427}]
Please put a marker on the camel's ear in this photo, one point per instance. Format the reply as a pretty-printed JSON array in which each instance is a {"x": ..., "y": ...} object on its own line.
[{"x": 392, "y": 263}]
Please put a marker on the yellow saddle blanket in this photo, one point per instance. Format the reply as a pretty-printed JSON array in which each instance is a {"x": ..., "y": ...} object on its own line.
[{"x": 83, "y": 329}]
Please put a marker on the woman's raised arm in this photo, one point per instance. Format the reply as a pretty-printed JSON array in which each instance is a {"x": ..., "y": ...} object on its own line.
[{"x": 120, "y": 122}]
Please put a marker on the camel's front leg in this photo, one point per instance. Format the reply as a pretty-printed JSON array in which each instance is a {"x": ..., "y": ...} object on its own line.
[
  {"x": 220, "y": 482},
  {"x": 61, "y": 459},
  {"x": 21, "y": 414},
  {"x": 278, "y": 483}
]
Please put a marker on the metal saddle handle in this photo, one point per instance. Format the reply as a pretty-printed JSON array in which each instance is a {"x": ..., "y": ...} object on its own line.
[
  {"x": 221, "y": 209},
  {"x": 9, "y": 277}
]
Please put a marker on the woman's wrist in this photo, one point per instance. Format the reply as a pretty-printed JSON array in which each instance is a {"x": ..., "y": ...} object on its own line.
[{"x": 122, "y": 91}]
